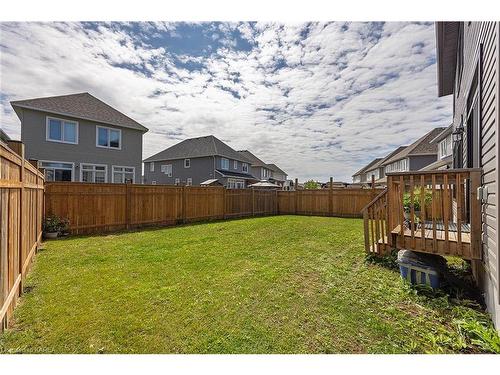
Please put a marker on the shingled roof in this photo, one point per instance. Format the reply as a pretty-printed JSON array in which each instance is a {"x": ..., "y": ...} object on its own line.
[
  {"x": 367, "y": 167},
  {"x": 82, "y": 106},
  {"x": 197, "y": 148},
  {"x": 254, "y": 160},
  {"x": 275, "y": 168},
  {"x": 422, "y": 146}
]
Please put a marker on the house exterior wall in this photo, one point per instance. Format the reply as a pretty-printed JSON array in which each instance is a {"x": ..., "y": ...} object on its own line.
[
  {"x": 33, "y": 135},
  {"x": 486, "y": 34},
  {"x": 201, "y": 169},
  {"x": 419, "y": 162},
  {"x": 257, "y": 172}
]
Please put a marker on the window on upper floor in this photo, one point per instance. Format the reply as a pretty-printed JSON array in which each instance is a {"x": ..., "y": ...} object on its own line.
[
  {"x": 224, "y": 163},
  {"x": 235, "y": 164},
  {"x": 444, "y": 148},
  {"x": 59, "y": 130},
  {"x": 187, "y": 163},
  {"x": 152, "y": 166},
  {"x": 167, "y": 169},
  {"x": 108, "y": 137},
  {"x": 244, "y": 167}
]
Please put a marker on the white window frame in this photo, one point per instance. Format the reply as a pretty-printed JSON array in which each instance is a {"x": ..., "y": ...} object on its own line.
[
  {"x": 446, "y": 144},
  {"x": 235, "y": 183},
  {"x": 109, "y": 138},
  {"x": 153, "y": 182},
  {"x": 235, "y": 164},
  {"x": 95, "y": 165},
  {"x": 187, "y": 163},
  {"x": 121, "y": 166},
  {"x": 152, "y": 166},
  {"x": 54, "y": 161},
  {"x": 164, "y": 169},
  {"x": 222, "y": 164},
  {"x": 47, "y": 133},
  {"x": 189, "y": 181},
  {"x": 244, "y": 167},
  {"x": 177, "y": 181}
]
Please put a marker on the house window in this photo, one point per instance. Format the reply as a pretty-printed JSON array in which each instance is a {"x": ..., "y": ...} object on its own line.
[
  {"x": 189, "y": 182},
  {"x": 244, "y": 167},
  {"x": 152, "y": 166},
  {"x": 153, "y": 182},
  {"x": 96, "y": 173},
  {"x": 108, "y": 137},
  {"x": 123, "y": 175},
  {"x": 444, "y": 148},
  {"x": 167, "y": 169},
  {"x": 265, "y": 173},
  {"x": 57, "y": 171},
  {"x": 224, "y": 163},
  {"x": 177, "y": 181},
  {"x": 64, "y": 131},
  {"x": 233, "y": 183},
  {"x": 187, "y": 163},
  {"x": 235, "y": 164}
]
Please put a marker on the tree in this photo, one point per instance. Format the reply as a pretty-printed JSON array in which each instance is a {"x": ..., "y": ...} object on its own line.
[{"x": 311, "y": 184}]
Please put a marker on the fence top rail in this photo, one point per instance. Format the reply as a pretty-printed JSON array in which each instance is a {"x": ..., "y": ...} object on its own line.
[{"x": 435, "y": 172}]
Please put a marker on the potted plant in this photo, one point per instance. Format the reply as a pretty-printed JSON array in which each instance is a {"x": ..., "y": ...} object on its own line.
[
  {"x": 407, "y": 202},
  {"x": 53, "y": 225}
]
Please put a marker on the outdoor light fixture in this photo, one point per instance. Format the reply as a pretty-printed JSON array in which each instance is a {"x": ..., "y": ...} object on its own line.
[{"x": 458, "y": 133}]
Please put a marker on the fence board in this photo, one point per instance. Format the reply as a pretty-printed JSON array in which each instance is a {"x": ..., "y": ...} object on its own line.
[{"x": 21, "y": 209}]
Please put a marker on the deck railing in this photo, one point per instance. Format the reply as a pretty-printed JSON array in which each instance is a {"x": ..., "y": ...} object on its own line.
[{"x": 432, "y": 211}]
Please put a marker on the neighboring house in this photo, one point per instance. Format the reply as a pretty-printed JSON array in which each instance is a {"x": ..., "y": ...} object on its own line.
[
  {"x": 195, "y": 161},
  {"x": 278, "y": 176},
  {"x": 468, "y": 58},
  {"x": 445, "y": 151},
  {"x": 361, "y": 175},
  {"x": 378, "y": 170},
  {"x": 416, "y": 156},
  {"x": 259, "y": 169},
  {"x": 4, "y": 136},
  {"x": 78, "y": 137}
]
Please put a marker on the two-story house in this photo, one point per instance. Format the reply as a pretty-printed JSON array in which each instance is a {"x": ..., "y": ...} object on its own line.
[
  {"x": 259, "y": 169},
  {"x": 445, "y": 151},
  {"x": 197, "y": 160},
  {"x": 278, "y": 176},
  {"x": 361, "y": 176},
  {"x": 468, "y": 65},
  {"x": 416, "y": 156},
  {"x": 78, "y": 137}
]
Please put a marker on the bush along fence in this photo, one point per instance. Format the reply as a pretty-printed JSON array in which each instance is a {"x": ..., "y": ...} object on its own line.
[
  {"x": 97, "y": 208},
  {"x": 21, "y": 211}
]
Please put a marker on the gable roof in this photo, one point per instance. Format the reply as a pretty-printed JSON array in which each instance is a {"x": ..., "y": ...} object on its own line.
[
  {"x": 197, "y": 148},
  {"x": 397, "y": 150},
  {"x": 82, "y": 106},
  {"x": 275, "y": 168},
  {"x": 446, "y": 132},
  {"x": 367, "y": 167},
  {"x": 254, "y": 160},
  {"x": 422, "y": 146}
]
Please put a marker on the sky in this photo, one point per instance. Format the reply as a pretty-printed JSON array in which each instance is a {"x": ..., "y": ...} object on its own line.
[{"x": 317, "y": 99}]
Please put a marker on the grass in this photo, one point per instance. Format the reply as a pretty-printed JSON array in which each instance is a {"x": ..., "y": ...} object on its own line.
[{"x": 284, "y": 284}]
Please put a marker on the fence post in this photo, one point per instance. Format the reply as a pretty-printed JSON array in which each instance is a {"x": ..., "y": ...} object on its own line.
[
  {"x": 127, "y": 206},
  {"x": 21, "y": 214},
  {"x": 330, "y": 197},
  {"x": 253, "y": 201},
  {"x": 183, "y": 200},
  {"x": 224, "y": 202},
  {"x": 276, "y": 209},
  {"x": 296, "y": 195}
]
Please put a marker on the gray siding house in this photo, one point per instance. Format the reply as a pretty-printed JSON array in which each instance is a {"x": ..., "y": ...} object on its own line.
[
  {"x": 445, "y": 153},
  {"x": 468, "y": 59},
  {"x": 361, "y": 175},
  {"x": 198, "y": 160},
  {"x": 416, "y": 156},
  {"x": 80, "y": 138},
  {"x": 278, "y": 175},
  {"x": 260, "y": 170}
]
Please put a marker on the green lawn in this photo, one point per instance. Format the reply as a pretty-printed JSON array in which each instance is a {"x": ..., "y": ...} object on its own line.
[{"x": 283, "y": 284}]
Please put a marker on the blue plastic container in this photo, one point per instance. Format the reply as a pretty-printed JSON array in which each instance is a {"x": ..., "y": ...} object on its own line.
[{"x": 420, "y": 268}]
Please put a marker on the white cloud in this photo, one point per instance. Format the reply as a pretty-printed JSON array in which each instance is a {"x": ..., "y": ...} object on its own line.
[{"x": 316, "y": 99}]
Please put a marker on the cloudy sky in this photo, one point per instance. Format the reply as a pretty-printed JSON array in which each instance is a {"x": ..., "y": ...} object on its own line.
[{"x": 318, "y": 99}]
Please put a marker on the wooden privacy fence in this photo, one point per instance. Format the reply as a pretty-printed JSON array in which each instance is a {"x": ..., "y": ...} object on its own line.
[
  {"x": 95, "y": 208},
  {"x": 21, "y": 210}
]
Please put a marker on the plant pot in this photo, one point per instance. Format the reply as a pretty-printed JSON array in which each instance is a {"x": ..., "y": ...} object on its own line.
[{"x": 51, "y": 235}]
